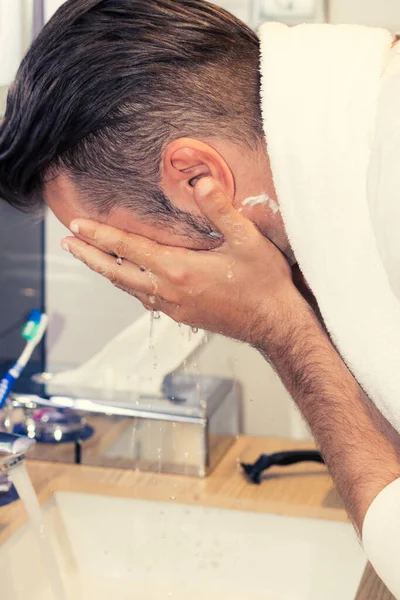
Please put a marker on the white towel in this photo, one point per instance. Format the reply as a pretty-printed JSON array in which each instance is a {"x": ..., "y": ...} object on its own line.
[
  {"x": 137, "y": 360},
  {"x": 320, "y": 90},
  {"x": 384, "y": 172}
]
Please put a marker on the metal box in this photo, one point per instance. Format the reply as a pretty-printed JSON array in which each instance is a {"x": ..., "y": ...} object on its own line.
[{"x": 186, "y": 432}]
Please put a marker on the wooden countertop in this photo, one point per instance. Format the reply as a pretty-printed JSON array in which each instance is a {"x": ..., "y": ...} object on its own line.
[{"x": 301, "y": 490}]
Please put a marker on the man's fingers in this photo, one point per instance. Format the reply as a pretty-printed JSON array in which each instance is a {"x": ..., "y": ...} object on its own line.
[
  {"x": 135, "y": 248},
  {"x": 215, "y": 205},
  {"x": 126, "y": 275}
]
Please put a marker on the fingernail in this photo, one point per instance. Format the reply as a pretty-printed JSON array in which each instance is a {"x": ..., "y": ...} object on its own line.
[
  {"x": 65, "y": 246},
  {"x": 205, "y": 186},
  {"x": 74, "y": 227}
]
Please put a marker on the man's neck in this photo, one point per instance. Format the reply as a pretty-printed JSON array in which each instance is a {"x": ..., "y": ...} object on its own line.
[{"x": 258, "y": 200}]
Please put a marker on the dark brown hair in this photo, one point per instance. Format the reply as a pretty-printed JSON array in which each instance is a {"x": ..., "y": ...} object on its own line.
[{"x": 109, "y": 83}]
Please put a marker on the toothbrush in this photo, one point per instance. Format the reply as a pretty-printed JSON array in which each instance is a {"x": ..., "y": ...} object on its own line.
[{"x": 33, "y": 332}]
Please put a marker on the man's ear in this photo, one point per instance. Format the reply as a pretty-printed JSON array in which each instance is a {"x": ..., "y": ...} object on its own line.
[{"x": 185, "y": 161}]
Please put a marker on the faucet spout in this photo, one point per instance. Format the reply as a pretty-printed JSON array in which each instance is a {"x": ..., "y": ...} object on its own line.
[{"x": 13, "y": 449}]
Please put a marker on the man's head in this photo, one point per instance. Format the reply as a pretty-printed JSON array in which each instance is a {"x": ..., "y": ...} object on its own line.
[{"x": 120, "y": 105}]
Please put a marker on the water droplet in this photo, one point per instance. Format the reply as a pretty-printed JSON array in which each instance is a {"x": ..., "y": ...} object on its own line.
[
  {"x": 194, "y": 329},
  {"x": 229, "y": 273},
  {"x": 215, "y": 235},
  {"x": 172, "y": 497},
  {"x": 151, "y": 345},
  {"x": 156, "y": 314}
]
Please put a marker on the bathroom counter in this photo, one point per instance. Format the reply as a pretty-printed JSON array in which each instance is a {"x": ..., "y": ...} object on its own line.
[{"x": 304, "y": 490}]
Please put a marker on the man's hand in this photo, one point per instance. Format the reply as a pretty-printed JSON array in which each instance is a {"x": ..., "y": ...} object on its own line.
[
  {"x": 244, "y": 290},
  {"x": 237, "y": 289}
]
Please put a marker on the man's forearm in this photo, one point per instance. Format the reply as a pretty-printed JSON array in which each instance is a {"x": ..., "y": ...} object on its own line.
[{"x": 359, "y": 446}]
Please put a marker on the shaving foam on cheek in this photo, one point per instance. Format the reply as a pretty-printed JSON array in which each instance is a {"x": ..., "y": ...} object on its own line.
[
  {"x": 262, "y": 199},
  {"x": 254, "y": 200},
  {"x": 274, "y": 206}
]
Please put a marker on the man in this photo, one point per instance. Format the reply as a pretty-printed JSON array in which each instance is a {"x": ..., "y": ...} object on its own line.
[{"x": 145, "y": 116}]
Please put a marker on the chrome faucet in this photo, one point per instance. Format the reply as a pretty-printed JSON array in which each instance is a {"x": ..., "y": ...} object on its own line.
[{"x": 13, "y": 449}]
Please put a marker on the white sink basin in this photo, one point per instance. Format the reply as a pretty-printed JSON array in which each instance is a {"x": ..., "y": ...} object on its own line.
[{"x": 120, "y": 549}]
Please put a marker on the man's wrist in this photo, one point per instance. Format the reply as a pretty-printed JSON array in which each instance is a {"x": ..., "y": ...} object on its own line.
[{"x": 284, "y": 314}]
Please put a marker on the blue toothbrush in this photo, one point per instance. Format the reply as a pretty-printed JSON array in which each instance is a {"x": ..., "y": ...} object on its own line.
[{"x": 33, "y": 332}]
